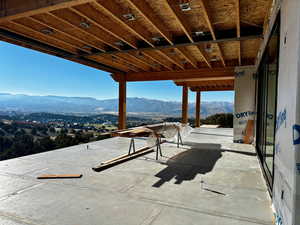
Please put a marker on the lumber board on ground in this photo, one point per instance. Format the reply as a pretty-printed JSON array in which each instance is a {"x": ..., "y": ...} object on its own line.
[
  {"x": 59, "y": 176},
  {"x": 121, "y": 159}
]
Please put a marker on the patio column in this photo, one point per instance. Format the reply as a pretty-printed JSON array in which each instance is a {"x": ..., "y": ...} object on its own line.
[
  {"x": 184, "y": 105},
  {"x": 198, "y": 105},
  {"x": 122, "y": 105}
]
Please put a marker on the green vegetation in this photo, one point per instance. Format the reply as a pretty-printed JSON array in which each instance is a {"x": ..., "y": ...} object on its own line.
[
  {"x": 22, "y": 135},
  {"x": 225, "y": 120},
  {"x": 16, "y": 141}
]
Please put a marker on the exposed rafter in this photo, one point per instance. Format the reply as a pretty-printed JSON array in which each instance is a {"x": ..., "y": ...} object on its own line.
[
  {"x": 109, "y": 30},
  {"x": 154, "y": 57},
  {"x": 149, "y": 40},
  {"x": 211, "y": 29},
  {"x": 147, "y": 12},
  {"x": 55, "y": 51},
  {"x": 174, "y": 8},
  {"x": 190, "y": 59},
  {"x": 35, "y": 35},
  {"x": 205, "y": 58},
  {"x": 169, "y": 58},
  {"x": 115, "y": 11},
  {"x": 84, "y": 31},
  {"x": 33, "y": 8},
  {"x": 62, "y": 32}
]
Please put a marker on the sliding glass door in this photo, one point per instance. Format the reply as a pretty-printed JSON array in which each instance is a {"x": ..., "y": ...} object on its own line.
[{"x": 267, "y": 96}]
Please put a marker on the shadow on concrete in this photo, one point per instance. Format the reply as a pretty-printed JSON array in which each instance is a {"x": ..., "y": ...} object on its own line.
[
  {"x": 217, "y": 146},
  {"x": 221, "y": 135},
  {"x": 186, "y": 165}
]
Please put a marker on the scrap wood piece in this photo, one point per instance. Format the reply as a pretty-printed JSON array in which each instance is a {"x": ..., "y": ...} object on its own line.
[
  {"x": 249, "y": 132},
  {"x": 59, "y": 176},
  {"x": 123, "y": 158}
]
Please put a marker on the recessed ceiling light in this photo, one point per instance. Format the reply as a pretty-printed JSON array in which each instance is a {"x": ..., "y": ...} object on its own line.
[
  {"x": 85, "y": 25},
  {"x": 199, "y": 33},
  {"x": 129, "y": 16},
  {"x": 47, "y": 31},
  {"x": 86, "y": 47},
  {"x": 185, "y": 6},
  {"x": 214, "y": 59},
  {"x": 119, "y": 43},
  {"x": 156, "y": 39}
]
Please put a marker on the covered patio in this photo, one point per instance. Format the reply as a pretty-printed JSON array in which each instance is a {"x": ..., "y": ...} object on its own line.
[
  {"x": 200, "y": 45},
  {"x": 197, "y": 44},
  {"x": 209, "y": 180}
]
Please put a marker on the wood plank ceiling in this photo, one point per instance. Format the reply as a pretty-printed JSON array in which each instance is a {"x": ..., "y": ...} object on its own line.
[{"x": 125, "y": 37}]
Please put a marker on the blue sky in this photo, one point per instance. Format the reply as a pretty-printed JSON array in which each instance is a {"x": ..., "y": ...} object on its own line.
[{"x": 24, "y": 71}]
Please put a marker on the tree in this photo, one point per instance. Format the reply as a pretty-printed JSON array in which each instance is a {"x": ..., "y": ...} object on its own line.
[
  {"x": 2, "y": 133},
  {"x": 46, "y": 144},
  {"x": 34, "y": 131},
  {"x": 51, "y": 130}
]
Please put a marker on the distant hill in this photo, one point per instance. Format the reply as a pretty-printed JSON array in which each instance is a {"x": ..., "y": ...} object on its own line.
[{"x": 59, "y": 104}]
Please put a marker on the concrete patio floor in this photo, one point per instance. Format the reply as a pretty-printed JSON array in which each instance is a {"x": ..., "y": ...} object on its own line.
[{"x": 208, "y": 181}]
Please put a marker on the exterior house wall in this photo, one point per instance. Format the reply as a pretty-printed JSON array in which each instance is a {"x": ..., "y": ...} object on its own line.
[
  {"x": 286, "y": 188},
  {"x": 244, "y": 102}
]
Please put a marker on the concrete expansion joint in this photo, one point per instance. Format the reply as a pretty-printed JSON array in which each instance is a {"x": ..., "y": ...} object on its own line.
[{"x": 207, "y": 212}]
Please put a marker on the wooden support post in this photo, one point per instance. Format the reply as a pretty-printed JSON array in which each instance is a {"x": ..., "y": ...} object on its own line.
[
  {"x": 122, "y": 105},
  {"x": 184, "y": 104},
  {"x": 198, "y": 105}
]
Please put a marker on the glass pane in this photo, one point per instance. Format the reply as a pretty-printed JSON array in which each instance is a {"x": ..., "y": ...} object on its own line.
[{"x": 272, "y": 62}]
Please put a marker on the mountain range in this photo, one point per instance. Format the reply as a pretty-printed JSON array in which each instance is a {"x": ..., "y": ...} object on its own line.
[{"x": 84, "y": 105}]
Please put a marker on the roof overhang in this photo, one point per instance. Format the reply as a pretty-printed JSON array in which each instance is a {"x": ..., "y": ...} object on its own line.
[{"x": 141, "y": 40}]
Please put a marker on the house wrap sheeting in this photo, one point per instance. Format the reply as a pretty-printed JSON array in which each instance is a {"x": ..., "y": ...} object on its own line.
[
  {"x": 244, "y": 101},
  {"x": 286, "y": 189}
]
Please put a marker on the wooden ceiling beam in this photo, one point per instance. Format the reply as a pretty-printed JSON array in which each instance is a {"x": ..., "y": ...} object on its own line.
[
  {"x": 36, "y": 36},
  {"x": 30, "y": 42},
  {"x": 211, "y": 29},
  {"x": 132, "y": 60},
  {"x": 183, "y": 23},
  {"x": 85, "y": 32},
  {"x": 62, "y": 32},
  {"x": 148, "y": 13},
  {"x": 104, "y": 28},
  {"x": 116, "y": 12},
  {"x": 157, "y": 60},
  {"x": 110, "y": 62},
  {"x": 238, "y": 30},
  {"x": 175, "y": 75},
  {"x": 197, "y": 43},
  {"x": 198, "y": 83},
  {"x": 196, "y": 89},
  {"x": 228, "y": 78},
  {"x": 141, "y": 59},
  {"x": 56, "y": 24},
  {"x": 170, "y": 59},
  {"x": 204, "y": 56},
  {"x": 33, "y": 8},
  {"x": 185, "y": 53}
]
